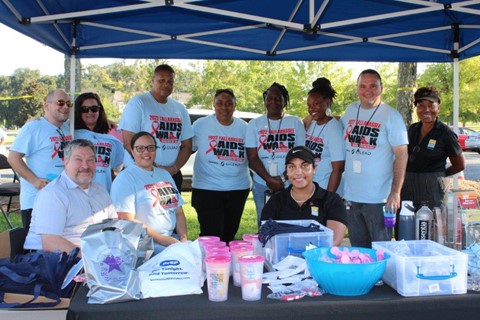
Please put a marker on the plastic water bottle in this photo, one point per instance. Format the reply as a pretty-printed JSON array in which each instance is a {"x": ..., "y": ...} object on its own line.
[
  {"x": 424, "y": 223},
  {"x": 406, "y": 221}
]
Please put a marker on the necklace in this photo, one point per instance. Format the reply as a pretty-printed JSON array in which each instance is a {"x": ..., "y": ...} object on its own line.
[
  {"x": 278, "y": 131},
  {"x": 302, "y": 201},
  {"x": 321, "y": 130}
]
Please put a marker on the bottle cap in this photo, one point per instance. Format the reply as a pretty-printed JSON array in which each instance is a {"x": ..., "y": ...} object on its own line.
[{"x": 407, "y": 208}]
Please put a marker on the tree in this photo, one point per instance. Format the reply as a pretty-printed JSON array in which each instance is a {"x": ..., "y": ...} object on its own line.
[
  {"x": 441, "y": 76},
  {"x": 407, "y": 76},
  {"x": 27, "y": 89}
]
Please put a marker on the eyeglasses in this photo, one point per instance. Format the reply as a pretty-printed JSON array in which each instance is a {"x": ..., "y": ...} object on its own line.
[
  {"x": 86, "y": 109},
  {"x": 61, "y": 103},
  {"x": 412, "y": 156},
  {"x": 150, "y": 148}
]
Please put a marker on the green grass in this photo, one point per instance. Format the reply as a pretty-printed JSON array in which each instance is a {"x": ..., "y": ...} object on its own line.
[{"x": 248, "y": 224}]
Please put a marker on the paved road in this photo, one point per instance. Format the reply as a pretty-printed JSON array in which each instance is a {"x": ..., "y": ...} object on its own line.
[{"x": 472, "y": 170}]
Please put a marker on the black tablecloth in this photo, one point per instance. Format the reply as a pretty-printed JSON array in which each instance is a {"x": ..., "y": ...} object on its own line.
[{"x": 381, "y": 303}]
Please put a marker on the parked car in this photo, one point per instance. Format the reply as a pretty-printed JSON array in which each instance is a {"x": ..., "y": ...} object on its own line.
[
  {"x": 187, "y": 169},
  {"x": 463, "y": 133},
  {"x": 472, "y": 143}
]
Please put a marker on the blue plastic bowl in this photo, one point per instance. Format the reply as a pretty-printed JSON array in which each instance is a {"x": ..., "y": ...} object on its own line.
[{"x": 344, "y": 279}]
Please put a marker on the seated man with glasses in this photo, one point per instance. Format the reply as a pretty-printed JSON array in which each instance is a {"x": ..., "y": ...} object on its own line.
[
  {"x": 304, "y": 198},
  {"x": 70, "y": 203},
  {"x": 148, "y": 194},
  {"x": 37, "y": 152}
]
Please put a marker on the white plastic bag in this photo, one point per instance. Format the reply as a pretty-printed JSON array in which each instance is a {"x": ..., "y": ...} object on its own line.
[{"x": 175, "y": 271}]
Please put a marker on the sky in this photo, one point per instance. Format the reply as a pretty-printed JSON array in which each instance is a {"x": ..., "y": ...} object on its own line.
[
  {"x": 16, "y": 53},
  {"x": 17, "y": 48}
]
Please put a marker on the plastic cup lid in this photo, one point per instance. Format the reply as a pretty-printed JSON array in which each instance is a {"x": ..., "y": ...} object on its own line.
[
  {"x": 250, "y": 236},
  {"x": 216, "y": 244},
  {"x": 236, "y": 243},
  {"x": 218, "y": 259},
  {"x": 204, "y": 239},
  {"x": 241, "y": 248},
  {"x": 251, "y": 259},
  {"x": 217, "y": 254},
  {"x": 217, "y": 249}
]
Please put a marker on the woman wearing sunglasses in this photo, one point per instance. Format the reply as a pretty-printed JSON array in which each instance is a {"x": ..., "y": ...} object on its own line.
[
  {"x": 147, "y": 194},
  {"x": 91, "y": 123}
]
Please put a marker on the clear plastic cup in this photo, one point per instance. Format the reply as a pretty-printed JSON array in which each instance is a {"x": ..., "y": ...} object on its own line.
[
  {"x": 238, "y": 243},
  {"x": 218, "y": 270},
  {"x": 389, "y": 218},
  {"x": 237, "y": 252},
  {"x": 257, "y": 245},
  {"x": 202, "y": 242},
  {"x": 209, "y": 251},
  {"x": 251, "y": 272},
  {"x": 219, "y": 244}
]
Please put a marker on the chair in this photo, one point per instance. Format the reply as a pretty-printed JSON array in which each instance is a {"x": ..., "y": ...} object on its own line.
[{"x": 8, "y": 189}]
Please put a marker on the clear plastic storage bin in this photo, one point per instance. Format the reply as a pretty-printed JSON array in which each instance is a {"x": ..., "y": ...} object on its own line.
[
  {"x": 282, "y": 245},
  {"x": 424, "y": 268}
]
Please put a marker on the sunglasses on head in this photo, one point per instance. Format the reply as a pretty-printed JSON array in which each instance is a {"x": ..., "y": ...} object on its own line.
[
  {"x": 85, "y": 109},
  {"x": 61, "y": 103}
]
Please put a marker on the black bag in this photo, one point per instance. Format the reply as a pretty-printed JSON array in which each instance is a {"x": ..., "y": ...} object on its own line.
[{"x": 37, "y": 274}]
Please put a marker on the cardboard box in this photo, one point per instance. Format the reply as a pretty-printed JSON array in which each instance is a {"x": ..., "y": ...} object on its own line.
[
  {"x": 11, "y": 244},
  {"x": 424, "y": 268},
  {"x": 282, "y": 245}
]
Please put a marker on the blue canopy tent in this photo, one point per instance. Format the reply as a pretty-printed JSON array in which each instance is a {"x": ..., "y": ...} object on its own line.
[
  {"x": 310, "y": 30},
  {"x": 328, "y": 30}
]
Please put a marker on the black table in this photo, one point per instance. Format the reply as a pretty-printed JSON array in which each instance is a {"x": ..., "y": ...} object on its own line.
[{"x": 381, "y": 303}]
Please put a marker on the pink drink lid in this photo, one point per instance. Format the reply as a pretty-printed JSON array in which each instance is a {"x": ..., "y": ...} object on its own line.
[
  {"x": 251, "y": 259},
  {"x": 250, "y": 237},
  {"x": 215, "y": 244},
  {"x": 241, "y": 248},
  {"x": 217, "y": 254},
  {"x": 235, "y": 243},
  {"x": 217, "y": 249},
  {"x": 218, "y": 259},
  {"x": 205, "y": 239}
]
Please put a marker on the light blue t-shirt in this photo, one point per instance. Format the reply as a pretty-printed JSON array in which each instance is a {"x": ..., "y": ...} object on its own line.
[
  {"x": 369, "y": 136},
  {"x": 151, "y": 195},
  {"x": 326, "y": 143},
  {"x": 169, "y": 123},
  {"x": 273, "y": 139},
  {"x": 63, "y": 208},
  {"x": 221, "y": 162},
  {"x": 109, "y": 154},
  {"x": 42, "y": 144}
]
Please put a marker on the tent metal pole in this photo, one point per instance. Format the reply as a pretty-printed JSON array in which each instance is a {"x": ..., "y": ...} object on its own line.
[
  {"x": 73, "y": 68},
  {"x": 456, "y": 104}
]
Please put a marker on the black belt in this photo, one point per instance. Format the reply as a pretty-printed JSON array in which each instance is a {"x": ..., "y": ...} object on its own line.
[{"x": 25, "y": 251}]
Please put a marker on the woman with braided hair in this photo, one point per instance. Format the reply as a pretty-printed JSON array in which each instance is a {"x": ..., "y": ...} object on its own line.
[
  {"x": 324, "y": 136},
  {"x": 269, "y": 138}
]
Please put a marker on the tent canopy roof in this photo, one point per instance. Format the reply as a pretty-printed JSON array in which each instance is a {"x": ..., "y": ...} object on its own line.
[{"x": 310, "y": 30}]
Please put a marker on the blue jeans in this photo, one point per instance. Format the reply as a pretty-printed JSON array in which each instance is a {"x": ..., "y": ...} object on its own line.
[
  {"x": 157, "y": 248},
  {"x": 365, "y": 224},
  {"x": 258, "y": 191}
]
